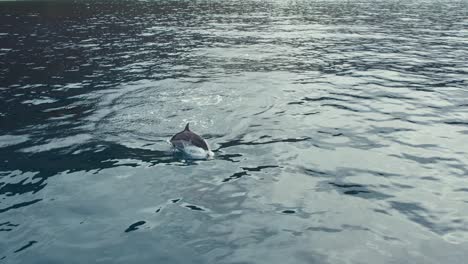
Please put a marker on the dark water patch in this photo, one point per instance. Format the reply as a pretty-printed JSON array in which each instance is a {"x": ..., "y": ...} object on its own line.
[
  {"x": 314, "y": 172},
  {"x": 388, "y": 130},
  {"x": 331, "y": 133},
  {"x": 403, "y": 186},
  {"x": 134, "y": 226},
  {"x": 97, "y": 157},
  {"x": 360, "y": 191},
  {"x": 235, "y": 176},
  {"x": 8, "y": 224},
  {"x": 343, "y": 172},
  {"x": 408, "y": 120},
  {"x": 296, "y": 103},
  {"x": 380, "y": 211},
  {"x": 324, "y": 229},
  {"x": 394, "y": 96},
  {"x": 425, "y": 160},
  {"x": 355, "y": 192},
  {"x": 310, "y": 113},
  {"x": 356, "y": 96},
  {"x": 366, "y": 229},
  {"x": 448, "y": 83},
  {"x": 21, "y": 187},
  {"x": 238, "y": 142},
  {"x": 30, "y": 243},
  {"x": 425, "y": 146},
  {"x": 423, "y": 90},
  {"x": 421, "y": 216},
  {"x": 259, "y": 168},
  {"x": 228, "y": 157},
  {"x": 430, "y": 178},
  {"x": 238, "y": 175},
  {"x": 355, "y": 227},
  {"x": 19, "y": 205},
  {"x": 342, "y": 107},
  {"x": 322, "y": 98},
  {"x": 194, "y": 207},
  {"x": 346, "y": 185},
  {"x": 457, "y": 123}
]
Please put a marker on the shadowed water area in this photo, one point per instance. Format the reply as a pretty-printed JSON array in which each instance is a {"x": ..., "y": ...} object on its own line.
[{"x": 339, "y": 128}]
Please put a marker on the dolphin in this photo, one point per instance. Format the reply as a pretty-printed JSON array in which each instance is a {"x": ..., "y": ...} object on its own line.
[{"x": 191, "y": 144}]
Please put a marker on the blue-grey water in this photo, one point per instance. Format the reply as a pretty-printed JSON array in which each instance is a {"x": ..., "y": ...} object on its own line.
[{"x": 340, "y": 130}]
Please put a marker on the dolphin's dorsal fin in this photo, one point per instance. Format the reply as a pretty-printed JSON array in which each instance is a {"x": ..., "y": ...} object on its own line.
[{"x": 187, "y": 127}]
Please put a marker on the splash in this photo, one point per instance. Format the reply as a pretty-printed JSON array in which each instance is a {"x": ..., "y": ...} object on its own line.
[{"x": 190, "y": 151}]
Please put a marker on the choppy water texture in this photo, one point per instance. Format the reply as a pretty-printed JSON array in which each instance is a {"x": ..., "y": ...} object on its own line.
[{"x": 340, "y": 131}]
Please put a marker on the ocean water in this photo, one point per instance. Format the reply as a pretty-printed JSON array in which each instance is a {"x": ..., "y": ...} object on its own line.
[{"x": 340, "y": 131}]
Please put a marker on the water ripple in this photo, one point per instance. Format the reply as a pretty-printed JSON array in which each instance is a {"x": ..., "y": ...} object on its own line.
[{"x": 336, "y": 125}]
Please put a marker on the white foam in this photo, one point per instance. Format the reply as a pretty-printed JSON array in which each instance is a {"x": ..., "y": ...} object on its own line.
[{"x": 193, "y": 152}]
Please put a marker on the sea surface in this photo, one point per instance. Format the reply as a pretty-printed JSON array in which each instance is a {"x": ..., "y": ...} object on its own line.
[{"x": 340, "y": 131}]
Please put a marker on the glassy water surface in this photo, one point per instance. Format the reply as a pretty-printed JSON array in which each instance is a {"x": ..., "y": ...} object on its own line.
[{"x": 340, "y": 131}]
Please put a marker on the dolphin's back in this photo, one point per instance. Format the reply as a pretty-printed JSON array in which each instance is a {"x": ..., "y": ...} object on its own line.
[{"x": 188, "y": 136}]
